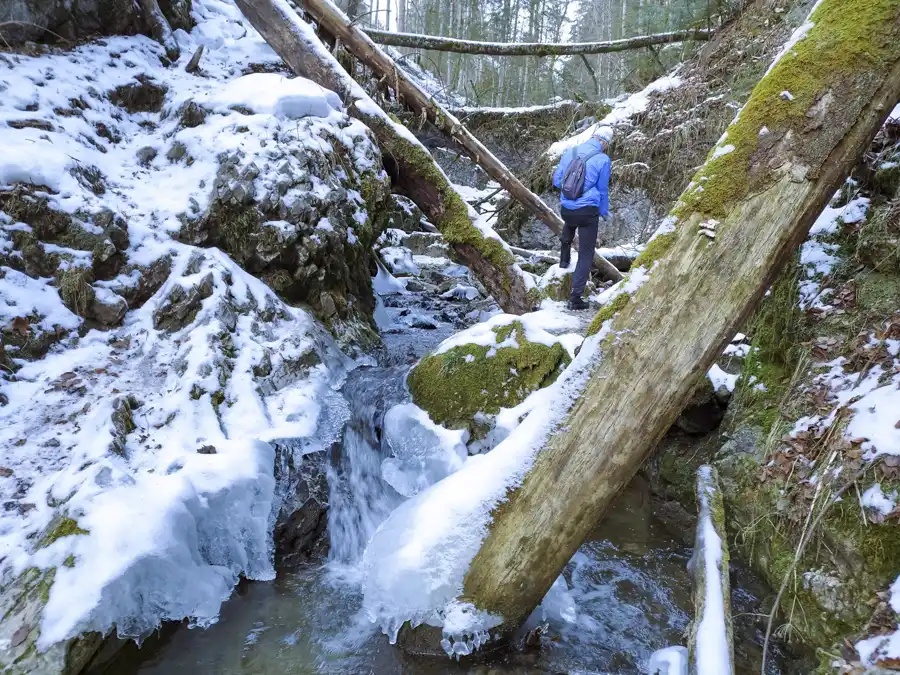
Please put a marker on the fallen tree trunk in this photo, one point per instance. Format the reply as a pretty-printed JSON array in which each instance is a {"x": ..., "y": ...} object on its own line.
[
  {"x": 806, "y": 124},
  {"x": 334, "y": 22},
  {"x": 478, "y": 116},
  {"x": 622, "y": 258},
  {"x": 417, "y": 175},
  {"x": 446, "y": 44},
  {"x": 710, "y": 646}
]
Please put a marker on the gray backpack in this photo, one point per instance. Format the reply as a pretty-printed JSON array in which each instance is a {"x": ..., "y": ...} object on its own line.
[{"x": 573, "y": 178}]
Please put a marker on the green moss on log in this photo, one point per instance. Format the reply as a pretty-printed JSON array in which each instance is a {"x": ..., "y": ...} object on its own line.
[
  {"x": 455, "y": 385},
  {"x": 656, "y": 249},
  {"x": 847, "y": 40},
  {"x": 607, "y": 312}
]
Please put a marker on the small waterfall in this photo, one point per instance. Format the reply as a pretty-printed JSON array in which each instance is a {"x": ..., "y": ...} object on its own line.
[{"x": 359, "y": 499}]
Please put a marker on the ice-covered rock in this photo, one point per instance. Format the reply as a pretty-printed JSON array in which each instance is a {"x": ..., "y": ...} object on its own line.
[{"x": 422, "y": 453}]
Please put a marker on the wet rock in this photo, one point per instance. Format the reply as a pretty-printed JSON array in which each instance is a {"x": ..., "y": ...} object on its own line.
[
  {"x": 301, "y": 521},
  {"x": 50, "y": 20},
  {"x": 107, "y": 308},
  {"x": 403, "y": 214},
  {"x": 427, "y": 243},
  {"x": 146, "y": 155},
  {"x": 178, "y": 13},
  {"x": 704, "y": 412},
  {"x": 122, "y": 422}
]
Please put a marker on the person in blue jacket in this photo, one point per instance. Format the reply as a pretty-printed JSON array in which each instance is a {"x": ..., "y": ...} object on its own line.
[{"x": 583, "y": 214}]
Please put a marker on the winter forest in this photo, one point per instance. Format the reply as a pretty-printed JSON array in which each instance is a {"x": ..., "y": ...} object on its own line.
[{"x": 419, "y": 337}]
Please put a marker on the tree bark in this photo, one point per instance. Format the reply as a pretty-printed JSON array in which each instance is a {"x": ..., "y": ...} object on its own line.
[
  {"x": 705, "y": 275},
  {"x": 356, "y": 42},
  {"x": 447, "y": 44},
  {"x": 416, "y": 173},
  {"x": 710, "y": 645}
]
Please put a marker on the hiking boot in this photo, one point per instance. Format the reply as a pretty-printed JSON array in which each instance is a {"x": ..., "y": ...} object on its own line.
[
  {"x": 565, "y": 256},
  {"x": 577, "y": 303}
]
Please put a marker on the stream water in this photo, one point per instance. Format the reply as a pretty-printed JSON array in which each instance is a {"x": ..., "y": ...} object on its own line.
[{"x": 629, "y": 587}]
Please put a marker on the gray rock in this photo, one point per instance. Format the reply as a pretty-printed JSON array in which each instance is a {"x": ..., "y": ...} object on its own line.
[
  {"x": 107, "y": 308},
  {"x": 48, "y": 20},
  {"x": 301, "y": 520},
  {"x": 146, "y": 155}
]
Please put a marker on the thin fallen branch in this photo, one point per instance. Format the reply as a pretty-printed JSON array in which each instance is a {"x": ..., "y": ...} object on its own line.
[{"x": 447, "y": 44}]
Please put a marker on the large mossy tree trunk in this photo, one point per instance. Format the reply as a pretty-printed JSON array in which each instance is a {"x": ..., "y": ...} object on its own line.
[
  {"x": 417, "y": 174},
  {"x": 335, "y": 23},
  {"x": 807, "y": 122}
]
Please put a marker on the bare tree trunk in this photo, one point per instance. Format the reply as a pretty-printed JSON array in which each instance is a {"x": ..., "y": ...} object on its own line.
[
  {"x": 726, "y": 245},
  {"x": 447, "y": 44},
  {"x": 417, "y": 174},
  {"x": 711, "y": 646},
  {"x": 334, "y": 22}
]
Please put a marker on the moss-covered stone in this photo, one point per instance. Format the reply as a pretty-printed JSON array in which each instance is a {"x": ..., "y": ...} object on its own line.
[{"x": 455, "y": 385}]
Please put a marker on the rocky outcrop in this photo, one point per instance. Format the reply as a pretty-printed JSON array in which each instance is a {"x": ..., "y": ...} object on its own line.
[
  {"x": 302, "y": 517},
  {"x": 305, "y": 221},
  {"x": 53, "y": 21},
  {"x": 787, "y": 443}
]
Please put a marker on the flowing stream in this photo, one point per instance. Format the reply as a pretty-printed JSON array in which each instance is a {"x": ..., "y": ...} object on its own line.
[{"x": 629, "y": 591}]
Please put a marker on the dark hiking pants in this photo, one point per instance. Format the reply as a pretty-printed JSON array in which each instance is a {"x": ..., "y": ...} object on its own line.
[{"x": 586, "y": 221}]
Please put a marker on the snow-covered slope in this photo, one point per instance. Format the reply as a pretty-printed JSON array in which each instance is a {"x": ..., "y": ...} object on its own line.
[{"x": 144, "y": 371}]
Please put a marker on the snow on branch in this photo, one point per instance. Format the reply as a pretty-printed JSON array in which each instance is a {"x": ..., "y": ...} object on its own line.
[{"x": 447, "y": 44}]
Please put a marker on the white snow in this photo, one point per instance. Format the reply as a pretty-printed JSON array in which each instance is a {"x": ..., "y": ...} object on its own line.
[
  {"x": 723, "y": 150},
  {"x": 875, "y": 499},
  {"x": 536, "y": 325},
  {"x": 817, "y": 254},
  {"x": 669, "y": 661},
  {"x": 712, "y": 652},
  {"x": 275, "y": 94},
  {"x": 169, "y": 530},
  {"x": 883, "y": 646},
  {"x": 720, "y": 378}
]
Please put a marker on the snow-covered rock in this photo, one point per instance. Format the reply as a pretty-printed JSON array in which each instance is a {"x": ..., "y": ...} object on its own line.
[{"x": 161, "y": 402}]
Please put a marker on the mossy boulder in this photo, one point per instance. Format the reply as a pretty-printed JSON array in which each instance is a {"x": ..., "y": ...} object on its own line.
[{"x": 455, "y": 385}]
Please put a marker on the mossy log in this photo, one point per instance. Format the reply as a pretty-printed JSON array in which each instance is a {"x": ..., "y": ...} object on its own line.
[
  {"x": 335, "y": 23},
  {"x": 807, "y": 123},
  {"x": 416, "y": 173},
  {"x": 711, "y": 645},
  {"x": 440, "y": 43}
]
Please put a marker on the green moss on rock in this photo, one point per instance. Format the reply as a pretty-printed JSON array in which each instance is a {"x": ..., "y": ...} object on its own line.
[
  {"x": 60, "y": 527},
  {"x": 455, "y": 385}
]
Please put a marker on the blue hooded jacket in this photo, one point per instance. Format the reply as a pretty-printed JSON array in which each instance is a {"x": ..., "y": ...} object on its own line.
[{"x": 596, "y": 177}]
